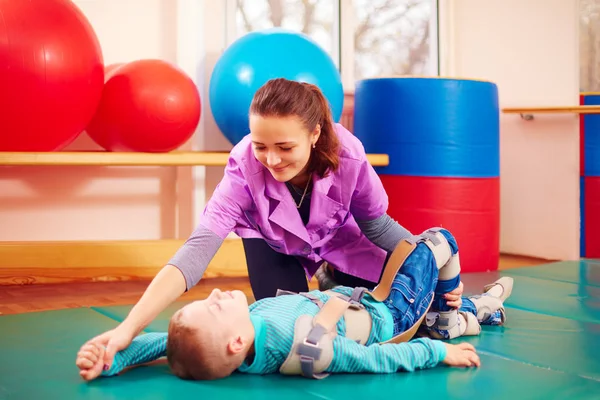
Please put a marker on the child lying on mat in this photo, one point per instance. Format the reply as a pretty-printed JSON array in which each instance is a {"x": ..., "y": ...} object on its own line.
[{"x": 212, "y": 338}]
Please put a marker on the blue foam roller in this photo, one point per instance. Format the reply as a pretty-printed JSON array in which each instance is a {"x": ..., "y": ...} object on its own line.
[
  {"x": 430, "y": 126},
  {"x": 591, "y": 146},
  {"x": 259, "y": 56}
]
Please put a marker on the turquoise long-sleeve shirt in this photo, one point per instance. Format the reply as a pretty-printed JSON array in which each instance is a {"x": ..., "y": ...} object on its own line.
[{"x": 273, "y": 320}]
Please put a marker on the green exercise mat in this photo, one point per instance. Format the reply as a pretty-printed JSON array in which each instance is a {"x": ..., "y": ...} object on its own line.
[{"x": 548, "y": 349}]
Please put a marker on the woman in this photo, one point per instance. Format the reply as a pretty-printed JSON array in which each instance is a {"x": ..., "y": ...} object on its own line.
[{"x": 300, "y": 192}]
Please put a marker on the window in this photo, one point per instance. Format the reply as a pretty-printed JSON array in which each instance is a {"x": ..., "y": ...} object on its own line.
[
  {"x": 589, "y": 45},
  {"x": 395, "y": 37},
  {"x": 368, "y": 38},
  {"x": 318, "y": 19}
]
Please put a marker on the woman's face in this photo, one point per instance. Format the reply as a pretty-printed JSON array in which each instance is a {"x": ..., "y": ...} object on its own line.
[{"x": 282, "y": 144}]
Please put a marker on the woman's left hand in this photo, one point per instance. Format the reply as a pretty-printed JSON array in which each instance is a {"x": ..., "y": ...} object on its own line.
[{"x": 454, "y": 298}]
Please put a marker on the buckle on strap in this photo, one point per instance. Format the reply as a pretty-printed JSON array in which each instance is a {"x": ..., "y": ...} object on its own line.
[
  {"x": 309, "y": 351},
  {"x": 357, "y": 295},
  {"x": 281, "y": 292},
  {"x": 313, "y": 298},
  {"x": 354, "y": 299}
]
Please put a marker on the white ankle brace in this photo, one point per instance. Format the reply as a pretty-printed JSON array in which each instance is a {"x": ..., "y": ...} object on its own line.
[
  {"x": 452, "y": 324},
  {"x": 487, "y": 305}
]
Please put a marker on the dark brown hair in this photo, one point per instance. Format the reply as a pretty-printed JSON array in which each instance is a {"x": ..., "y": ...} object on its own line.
[{"x": 283, "y": 98}]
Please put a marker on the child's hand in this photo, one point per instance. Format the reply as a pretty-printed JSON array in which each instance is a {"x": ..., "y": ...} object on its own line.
[
  {"x": 454, "y": 298},
  {"x": 90, "y": 361},
  {"x": 461, "y": 355}
]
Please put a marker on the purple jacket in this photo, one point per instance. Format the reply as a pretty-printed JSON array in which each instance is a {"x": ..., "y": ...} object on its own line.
[{"x": 243, "y": 199}]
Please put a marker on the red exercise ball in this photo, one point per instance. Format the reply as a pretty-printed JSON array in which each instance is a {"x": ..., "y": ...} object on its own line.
[
  {"x": 110, "y": 69},
  {"x": 51, "y": 74},
  {"x": 146, "y": 106}
]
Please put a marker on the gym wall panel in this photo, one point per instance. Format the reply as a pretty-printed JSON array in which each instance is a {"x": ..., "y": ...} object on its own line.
[
  {"x": 97, "y": 203},
  {"x": 534, "y": 61}
]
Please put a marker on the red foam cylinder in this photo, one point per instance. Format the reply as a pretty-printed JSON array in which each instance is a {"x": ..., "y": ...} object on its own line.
[
  {"x": 467, "y": 207},
  {"x": 592, "y": 216}
]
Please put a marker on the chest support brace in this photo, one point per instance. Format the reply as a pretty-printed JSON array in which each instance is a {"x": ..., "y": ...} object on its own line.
[{"x": 312, "y": 348}]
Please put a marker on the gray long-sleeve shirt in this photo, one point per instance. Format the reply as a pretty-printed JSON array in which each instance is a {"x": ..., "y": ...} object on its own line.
[{"x": 193, "y": 257}]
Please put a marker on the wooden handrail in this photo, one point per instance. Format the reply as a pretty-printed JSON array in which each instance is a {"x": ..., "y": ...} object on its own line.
[
  {"x": 104, "y": 158},
  {"x": 528, "y": 112}
]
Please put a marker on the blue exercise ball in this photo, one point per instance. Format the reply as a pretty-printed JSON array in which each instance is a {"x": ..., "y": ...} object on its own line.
[{"x": 259, "y": 56}]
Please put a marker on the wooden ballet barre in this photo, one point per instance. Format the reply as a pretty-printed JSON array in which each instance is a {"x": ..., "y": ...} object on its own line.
[
  {"x": 105, "y": 158},
  {"x": 528, "y": 112}
]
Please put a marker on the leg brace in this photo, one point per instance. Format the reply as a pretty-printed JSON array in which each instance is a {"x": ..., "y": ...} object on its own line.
[
  {"x": 492, "y": 300},
  {"x": 312, "y": 348},
  {"x": 452, "y": 323}
]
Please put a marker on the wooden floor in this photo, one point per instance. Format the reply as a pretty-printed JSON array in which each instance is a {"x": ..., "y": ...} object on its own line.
[{"x": 32, "y": 298}]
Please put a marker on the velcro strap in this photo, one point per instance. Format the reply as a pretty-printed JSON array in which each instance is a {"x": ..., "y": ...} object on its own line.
[
  {"x": 313, "y": 338},
  {"x": 357, "y": 295},
  {"x": 323, "y": 323},
  {"x": 354, "y": 299},
  {"x": 281, "y": 292},
  {"x": 452, "y": 324},
  {"x": 309, "y": 359},
  {"x": 444, "y": 320},
  {"x": 439, "y": 247},
  {"x": 313, "y": 298}
]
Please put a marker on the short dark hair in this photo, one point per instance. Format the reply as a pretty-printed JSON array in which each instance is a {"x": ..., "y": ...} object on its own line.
[{"x": 281, "y": 97}]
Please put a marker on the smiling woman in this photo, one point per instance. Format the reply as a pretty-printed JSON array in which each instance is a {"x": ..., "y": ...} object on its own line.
[
  {"x": 285, "y": 131},
  {"x": 300, "y": 192}
]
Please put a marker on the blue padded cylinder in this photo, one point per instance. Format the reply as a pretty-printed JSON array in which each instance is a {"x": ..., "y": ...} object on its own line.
[
  {"x": 430, "y": 126},
  {"x": 591, "y": 137}
]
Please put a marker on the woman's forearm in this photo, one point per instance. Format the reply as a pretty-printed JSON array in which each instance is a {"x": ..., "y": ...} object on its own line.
[
  {"x": 164, "y": 289},
  {"x": 384, "y": 232}
]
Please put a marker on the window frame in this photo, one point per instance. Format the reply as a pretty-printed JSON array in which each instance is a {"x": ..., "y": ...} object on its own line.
[{"x": 343, "y": 34}]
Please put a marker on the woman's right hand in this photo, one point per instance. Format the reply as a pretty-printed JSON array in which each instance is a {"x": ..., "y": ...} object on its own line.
[
  {"x": 167, "y": 286},
  {"x": 112, "y": 341}
]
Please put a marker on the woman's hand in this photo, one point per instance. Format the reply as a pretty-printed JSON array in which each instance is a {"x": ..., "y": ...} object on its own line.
[
  {"x": 101, "y": 351},
  {"x": 454, "y": 298}
]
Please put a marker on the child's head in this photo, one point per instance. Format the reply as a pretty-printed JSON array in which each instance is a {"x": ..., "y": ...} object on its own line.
[{"x": 209, "y": 339}]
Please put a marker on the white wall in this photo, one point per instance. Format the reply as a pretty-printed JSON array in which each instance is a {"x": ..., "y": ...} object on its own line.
[
  {"x": 88, "y": 203},
  {"x": 530, "y": 49}
]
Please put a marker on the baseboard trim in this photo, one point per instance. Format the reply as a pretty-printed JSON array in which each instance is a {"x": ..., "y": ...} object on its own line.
[{"x": 27, "y": 263}]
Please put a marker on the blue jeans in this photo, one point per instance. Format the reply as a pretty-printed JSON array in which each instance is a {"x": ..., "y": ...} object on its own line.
[{"x": 417, "y": 282}]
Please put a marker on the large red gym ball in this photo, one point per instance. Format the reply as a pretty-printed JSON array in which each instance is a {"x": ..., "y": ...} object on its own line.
[
  {"x": 51, "y": 74},
  {"x": 146, "y": 106}
]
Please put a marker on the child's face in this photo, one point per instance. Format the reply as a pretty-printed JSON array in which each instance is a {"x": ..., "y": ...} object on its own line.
[{"x": 224, "y": 309}]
